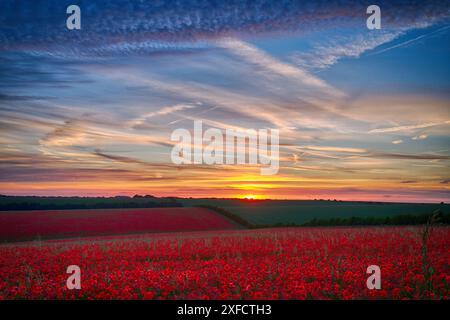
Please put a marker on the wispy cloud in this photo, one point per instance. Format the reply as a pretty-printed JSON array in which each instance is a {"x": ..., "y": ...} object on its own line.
[
  {"x": 408, "y": 156},
  {"x": 135, "y": 123},
  {"x": 335, "y": 149},
  {"x": 410, "y": 41},
  {"x": 258, "y": 57},
  {"x": 409, "y": 127},
  {"x": 329, "y": 53},
  {"x": 420, "y": 137}
]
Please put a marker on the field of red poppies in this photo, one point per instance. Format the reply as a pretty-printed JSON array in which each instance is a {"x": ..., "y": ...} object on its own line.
[
  {"x": 291, "y": 263},
  {"x": 53, "y": 224}
]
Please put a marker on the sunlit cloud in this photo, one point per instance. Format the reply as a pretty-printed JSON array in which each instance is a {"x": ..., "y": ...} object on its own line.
[
  {"x": 335, "y": 149},
  {"x": 420, "y": 137},
  {"x": 409, "y": 127},
  {"x": 164, "y": 111}
]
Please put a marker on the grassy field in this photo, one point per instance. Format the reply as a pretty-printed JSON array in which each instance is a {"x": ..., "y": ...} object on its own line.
[{"x": 273, "y": 212}]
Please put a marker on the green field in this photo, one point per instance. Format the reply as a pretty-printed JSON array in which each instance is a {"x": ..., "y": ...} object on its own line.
[{"x": 273, "y": 212}]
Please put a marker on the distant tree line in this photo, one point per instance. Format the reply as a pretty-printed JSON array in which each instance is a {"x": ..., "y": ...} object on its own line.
[
  {"x": 397, "y": 220},
  {"x": 9, "y": 203}
]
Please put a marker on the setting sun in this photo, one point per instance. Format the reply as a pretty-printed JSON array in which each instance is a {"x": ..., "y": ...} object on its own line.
[{"x": 251, "y": 197}]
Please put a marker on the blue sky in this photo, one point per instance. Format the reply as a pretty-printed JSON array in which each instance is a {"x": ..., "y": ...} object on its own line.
[{"x": 363, "y": 114}]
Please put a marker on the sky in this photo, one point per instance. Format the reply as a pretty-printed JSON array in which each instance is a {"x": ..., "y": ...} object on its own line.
[{"x": 362, "y": 114}]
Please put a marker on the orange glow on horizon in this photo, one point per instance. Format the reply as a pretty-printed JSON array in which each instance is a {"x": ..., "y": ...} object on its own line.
[{"x": 251, "y": 197}]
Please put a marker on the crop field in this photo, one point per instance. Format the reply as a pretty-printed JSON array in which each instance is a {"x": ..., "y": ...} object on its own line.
[
  {"x": 51, "y": 224},
  {"x": 284, "y": 263},
  {"x": 261, "y": 215},
  {"x": 272, "y": 212}
]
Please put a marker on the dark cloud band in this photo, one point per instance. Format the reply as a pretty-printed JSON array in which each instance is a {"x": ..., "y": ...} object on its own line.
[{"x": 110, "y": 27}]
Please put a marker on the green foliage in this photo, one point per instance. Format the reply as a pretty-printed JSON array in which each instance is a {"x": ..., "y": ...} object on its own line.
[{"x": 374, "y": 221}]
